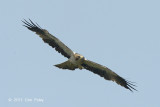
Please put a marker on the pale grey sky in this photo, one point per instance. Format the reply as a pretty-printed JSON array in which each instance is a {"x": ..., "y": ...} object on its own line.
[{"x": 122, "y": 35}]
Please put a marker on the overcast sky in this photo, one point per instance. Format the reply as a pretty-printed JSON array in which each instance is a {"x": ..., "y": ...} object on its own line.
[{"x": 120, "y": 34}]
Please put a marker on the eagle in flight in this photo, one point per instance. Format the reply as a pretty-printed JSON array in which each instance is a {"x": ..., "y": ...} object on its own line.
[{"x": 76, "y": 60}]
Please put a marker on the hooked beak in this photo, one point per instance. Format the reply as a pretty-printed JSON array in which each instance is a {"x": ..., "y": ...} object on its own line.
[{"x": 83, "y": 58}]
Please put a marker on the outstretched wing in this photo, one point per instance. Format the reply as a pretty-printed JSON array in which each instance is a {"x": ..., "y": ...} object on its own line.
[
  {"x": 48, "y": 38},
  {"x": 107, "y": 74}
]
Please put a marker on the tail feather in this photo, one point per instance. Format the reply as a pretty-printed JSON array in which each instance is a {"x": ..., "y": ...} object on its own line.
[{"x": 66, "y": 65}]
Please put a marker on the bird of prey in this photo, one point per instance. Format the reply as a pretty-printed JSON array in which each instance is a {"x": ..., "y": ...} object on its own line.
[{"x": 76, "y": 60}]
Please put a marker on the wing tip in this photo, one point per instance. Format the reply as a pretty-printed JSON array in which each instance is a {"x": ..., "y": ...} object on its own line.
[
  {"x": 129, "y": 85},
  {"x": 31, "y": 26}
]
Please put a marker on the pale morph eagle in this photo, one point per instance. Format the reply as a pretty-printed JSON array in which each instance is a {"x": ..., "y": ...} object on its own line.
[{"x": 76, "y": 60}]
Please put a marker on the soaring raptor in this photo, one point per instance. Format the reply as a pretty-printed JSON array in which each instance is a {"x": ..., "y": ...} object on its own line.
[{"x": 76, "y": 60}]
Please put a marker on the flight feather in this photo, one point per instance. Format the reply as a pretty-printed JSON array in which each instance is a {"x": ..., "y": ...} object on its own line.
[{"x": 49, "y": 38}]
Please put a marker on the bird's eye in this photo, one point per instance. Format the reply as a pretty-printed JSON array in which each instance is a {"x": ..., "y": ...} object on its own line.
[{"x": 77, "y": 57}]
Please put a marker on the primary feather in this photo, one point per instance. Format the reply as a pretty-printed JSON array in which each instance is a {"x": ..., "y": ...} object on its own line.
[
  {"x": 107, "y": 74},
  {"x": 48, "y": 38}
]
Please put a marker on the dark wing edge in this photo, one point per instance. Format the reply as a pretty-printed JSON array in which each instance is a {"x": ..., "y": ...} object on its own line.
[
  {"x": 108, "y": 74},
  {"x": 48, "y": 38}
]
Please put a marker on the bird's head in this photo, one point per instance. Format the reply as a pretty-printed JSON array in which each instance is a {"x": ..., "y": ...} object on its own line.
[{"x": 79, "y": 57}]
